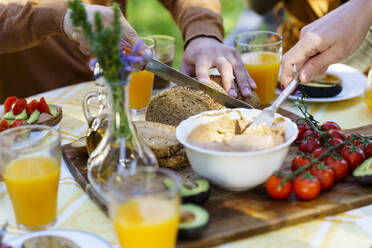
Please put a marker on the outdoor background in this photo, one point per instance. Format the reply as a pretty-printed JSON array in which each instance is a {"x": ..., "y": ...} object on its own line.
[{"x": 150, "y": 17}]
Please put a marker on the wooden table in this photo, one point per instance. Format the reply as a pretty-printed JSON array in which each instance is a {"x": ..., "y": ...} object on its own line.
[{"x": 77, "y": 211}]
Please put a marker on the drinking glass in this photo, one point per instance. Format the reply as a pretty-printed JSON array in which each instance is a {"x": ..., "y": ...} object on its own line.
[
  {"x": 261, "y": 53},
  {"x": 165, "y": 51},
  {"x": 30, "y": 159},
  {"x": 367, "y": 97},
  {"x": 145, "y": 213},
  {"x": 141, "y": 83}
]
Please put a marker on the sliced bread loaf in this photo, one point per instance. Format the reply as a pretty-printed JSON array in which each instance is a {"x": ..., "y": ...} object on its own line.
[
  {"x": 161, "y": 138},
  {"x": 174, "y": 105}
]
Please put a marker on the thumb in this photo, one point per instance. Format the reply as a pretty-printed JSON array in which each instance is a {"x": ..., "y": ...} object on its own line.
[{"x": 317, "y": 65}]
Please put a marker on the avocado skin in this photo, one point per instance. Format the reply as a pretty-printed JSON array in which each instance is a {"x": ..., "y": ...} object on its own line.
[
  {"x": 198, "y": 199},
  {"x": 198, "y": 195},
  {"x": 365, "y": 180},
  {"x": 363, "y": 173},
  {"x": 320, "y": 91},
  {"x": 198, "y": 229}
]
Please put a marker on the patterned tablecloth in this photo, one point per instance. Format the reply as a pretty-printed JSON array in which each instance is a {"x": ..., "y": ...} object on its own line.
[{"x": 77, "y": 211}]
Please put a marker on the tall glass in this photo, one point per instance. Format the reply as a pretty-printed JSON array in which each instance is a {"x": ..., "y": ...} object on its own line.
[
  {"x": 367, "y": 97},
  {"x": 165, "y": 51},
  {"x": 141, "y": 84},
  {"x": 261, "y": 53},
  {"x": 145, "y": 213},
  {"x": 30, "y": 159}
]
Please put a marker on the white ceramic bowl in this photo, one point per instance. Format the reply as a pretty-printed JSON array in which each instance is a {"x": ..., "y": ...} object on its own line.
[{"x": 236, "y": 171}]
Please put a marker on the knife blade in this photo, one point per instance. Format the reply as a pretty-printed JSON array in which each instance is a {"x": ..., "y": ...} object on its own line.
[{"x": 168, "y": 73}]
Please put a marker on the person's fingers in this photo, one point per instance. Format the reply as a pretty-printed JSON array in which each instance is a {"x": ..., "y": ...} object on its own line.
[
  {"x": 129, "y": 34},
  {"x": 244, "y": 80},
  {"x": 297, "y": 55},
  {"x": 186, "y": 69},
  {"x": 226, "y": 71},
  {"x": 202, "y": 66},
  {"x": 318, "y": 64}
]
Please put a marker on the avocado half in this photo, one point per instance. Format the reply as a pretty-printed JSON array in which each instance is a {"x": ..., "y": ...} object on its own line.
[
  {"x": 194, "y": 221},
  {"x": 195, "y": 191},
  {"x": 363, "y": 173},
  {"x": 328, "y": 85}
]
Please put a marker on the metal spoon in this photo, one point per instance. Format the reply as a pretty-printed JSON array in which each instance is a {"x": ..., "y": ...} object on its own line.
[
  {"x": 268, "y": 114},
  {"x": 3, "y": 231}
]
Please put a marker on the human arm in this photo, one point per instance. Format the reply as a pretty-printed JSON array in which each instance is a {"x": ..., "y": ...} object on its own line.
[
  {"x": 328, "y": 40},
  {"x": 202, "y": 31}
]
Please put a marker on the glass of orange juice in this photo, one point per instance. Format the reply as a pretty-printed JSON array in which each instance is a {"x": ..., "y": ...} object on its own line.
[
  {"x": 261, "y": 52},
  {"x": 368, "y": 91},
  {"x": 141, "y": 84},
  {"x": 30, "y": 165},
  {"x": 145, "y": 213}
]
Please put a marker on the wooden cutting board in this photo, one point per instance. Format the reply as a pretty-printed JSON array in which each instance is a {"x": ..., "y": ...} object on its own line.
[{"x": 236, "y": 215}]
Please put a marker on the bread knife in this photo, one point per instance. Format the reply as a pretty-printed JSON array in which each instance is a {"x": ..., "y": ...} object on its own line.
[{"x": 170, "y": 74}]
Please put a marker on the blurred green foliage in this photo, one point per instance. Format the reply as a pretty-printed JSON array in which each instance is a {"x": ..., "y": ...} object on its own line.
[{"x": 150, "y": 17}]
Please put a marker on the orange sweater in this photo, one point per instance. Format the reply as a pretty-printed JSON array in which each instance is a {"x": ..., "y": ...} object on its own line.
[{"x": 36, "y": 56}]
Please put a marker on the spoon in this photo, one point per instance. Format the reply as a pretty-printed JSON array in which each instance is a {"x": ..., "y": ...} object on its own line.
[{"x": 268, "y": 114}]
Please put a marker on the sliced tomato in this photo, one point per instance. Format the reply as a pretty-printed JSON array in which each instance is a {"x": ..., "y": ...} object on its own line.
[
  {"x": 19, "y": 106},
  {"x": 4, "y": 125},
  {"x": 32, "y": 106},
  {"x": 43, "y": 106},
  {"x": 16, "y": 123},
  {"x": 9, "y": 103}
]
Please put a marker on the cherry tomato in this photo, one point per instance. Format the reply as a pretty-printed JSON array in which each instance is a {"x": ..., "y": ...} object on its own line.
[
  {"x": 16, "y": 123},
  {"x": 302, "y": 128},
  {"x": 19, "y": 106},
  {"x": 325, "y": 175},
  {"x": 299, "y": 161},
  {"x": 43, "y": 106},
  {"x": 335, "y": 142},
  {"x": 306, "y": 186},
  {"x": 354, "y": 156},
  {"x": 275, "y": 191},
  {"x": 309, "y": 134},
  {"x": 319, "y": 151},
  {"x": 309, "y": 145},
  {"x": 4, "y": 125},
  {"x": 32, "y": 106},
  {"x": 9, "y": 103},
  {"x": 367, "y": 148},
  {"x": 330, "y": 125},
  {"x": 336, "y": 133},
  {"x": 339, "y": 167}
]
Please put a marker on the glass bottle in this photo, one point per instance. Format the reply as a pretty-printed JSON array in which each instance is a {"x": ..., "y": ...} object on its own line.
[{"x": 120, "y": 150}]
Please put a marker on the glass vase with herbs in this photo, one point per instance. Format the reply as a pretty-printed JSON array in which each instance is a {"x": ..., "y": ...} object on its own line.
[{"x": 120, "y": 150}]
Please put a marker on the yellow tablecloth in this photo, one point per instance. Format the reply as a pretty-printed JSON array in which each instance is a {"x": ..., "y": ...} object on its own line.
[{"x": 77, "y": 211}]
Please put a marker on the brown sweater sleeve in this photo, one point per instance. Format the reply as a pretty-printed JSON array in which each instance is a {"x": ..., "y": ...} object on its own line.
[
  {"x": 197, "y": 18},
  {"x": 27, "y": 23}
]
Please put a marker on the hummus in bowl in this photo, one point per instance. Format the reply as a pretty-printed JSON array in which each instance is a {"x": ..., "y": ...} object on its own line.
[{"x": 225, "y": 148}]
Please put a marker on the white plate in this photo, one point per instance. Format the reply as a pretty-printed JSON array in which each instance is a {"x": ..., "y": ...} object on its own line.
[
  {"x": 81, "y": 238},
  {"x": 353, "y": 84}
]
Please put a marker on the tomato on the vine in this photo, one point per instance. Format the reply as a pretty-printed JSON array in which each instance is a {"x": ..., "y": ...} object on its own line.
[
  {"x": 354, "y": 156},
  {"x": 336, "y": 133},
  {"x": 16, "y": 123},
  {"x": 339, "y": 166},
  {"x": 306, "y": 187},
  {"x": 367, "y": 148},
  {"x": 330, "y": 125},
  {"x": 275, "y": 190},
  {"x": 9, "y": 101},
  {"x": 335, "y": 142},
  {"x": 325, "y": 175},
  {"x": 318, "y": 152},
  {"x": 302, "y": 128},
  {"x": 309, "y": 145},
  {"x": 299, "y": 161}
]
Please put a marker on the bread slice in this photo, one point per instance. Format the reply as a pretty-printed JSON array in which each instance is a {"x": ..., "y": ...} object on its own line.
[
  {"x": 177, "y": 161},
  {"x": 159, "y": 137},
  {"x": 174, "y": 105},
  {"x": 216, "y": 82}
]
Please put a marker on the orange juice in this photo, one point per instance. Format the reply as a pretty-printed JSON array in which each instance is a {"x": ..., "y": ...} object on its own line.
[
  {"x": 32, "y": 184},
  {"x": 368, "y": 98},
  {"x": 263, "y": 68},
  {"x": 140, "y": 89},
  {"x": 147, "y": 222}
]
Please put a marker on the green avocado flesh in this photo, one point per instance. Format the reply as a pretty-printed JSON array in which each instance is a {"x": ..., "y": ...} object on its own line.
[
  {"x": 53, "y": 110},
  {"x": 22, "y": 116},
  {"x": 365, "y": 169},
  {"x": 202, "y": 185},
  {"x": 34, "y": 117},
  {"x": 198, "y": 216},
  {"x": 9, "y": 116}
]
